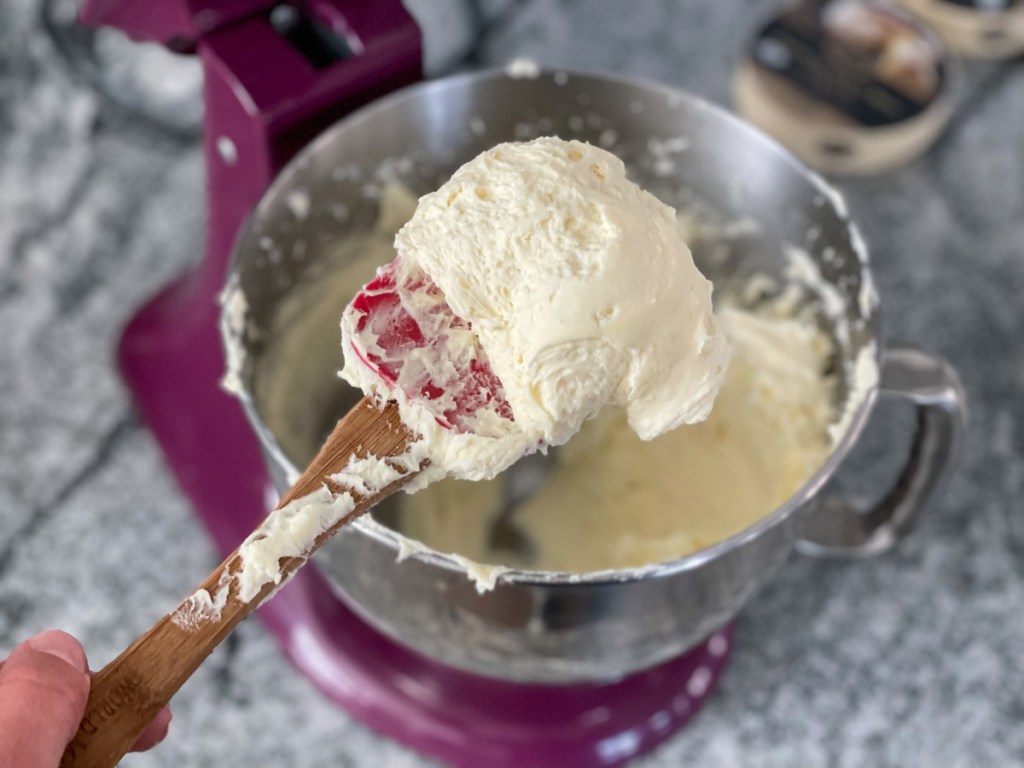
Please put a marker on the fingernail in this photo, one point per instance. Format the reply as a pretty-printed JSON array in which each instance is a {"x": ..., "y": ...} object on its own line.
[{"x": 59, "y": 644}]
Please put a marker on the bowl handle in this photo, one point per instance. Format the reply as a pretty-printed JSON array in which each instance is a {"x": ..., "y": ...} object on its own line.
[{"x": 839, "y": 528}]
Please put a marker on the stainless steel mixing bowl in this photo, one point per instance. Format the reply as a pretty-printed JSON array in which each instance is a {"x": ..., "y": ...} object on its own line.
[{"x": 560, "y": 627}]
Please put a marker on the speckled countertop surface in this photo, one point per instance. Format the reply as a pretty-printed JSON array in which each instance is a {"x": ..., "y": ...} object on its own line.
[{"x": 914, "y": 659}]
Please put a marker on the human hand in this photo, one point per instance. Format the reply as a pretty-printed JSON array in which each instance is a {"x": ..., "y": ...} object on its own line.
[{"x": 44, "y": 685}]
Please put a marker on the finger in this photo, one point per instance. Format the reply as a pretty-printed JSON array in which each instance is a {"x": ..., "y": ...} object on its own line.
[
  {"x": 154, "y": 732},
  {"x": 43, "y": 689}
]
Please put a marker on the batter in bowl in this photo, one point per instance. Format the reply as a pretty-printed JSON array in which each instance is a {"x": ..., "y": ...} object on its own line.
[{"x": 616, "y": 501}]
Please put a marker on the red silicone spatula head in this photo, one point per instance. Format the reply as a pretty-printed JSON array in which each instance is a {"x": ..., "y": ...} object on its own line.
[{"x": 405, "y": 332}]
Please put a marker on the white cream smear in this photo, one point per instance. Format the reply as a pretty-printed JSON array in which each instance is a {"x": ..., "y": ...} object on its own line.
[{"x": 292, "y": 530}]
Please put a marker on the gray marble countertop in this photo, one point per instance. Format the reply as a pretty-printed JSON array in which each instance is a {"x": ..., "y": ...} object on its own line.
[{"x": 913, "y": 659}]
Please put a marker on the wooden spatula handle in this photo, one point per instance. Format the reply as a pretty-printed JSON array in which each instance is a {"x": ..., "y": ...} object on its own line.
[{"x": 128, "y": 693}]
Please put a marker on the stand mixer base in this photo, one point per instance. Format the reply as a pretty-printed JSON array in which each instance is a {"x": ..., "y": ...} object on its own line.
[{"x": 170, "y": 357}]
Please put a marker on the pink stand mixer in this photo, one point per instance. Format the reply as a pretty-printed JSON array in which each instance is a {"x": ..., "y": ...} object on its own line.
[{"x": 270, "y": 87}]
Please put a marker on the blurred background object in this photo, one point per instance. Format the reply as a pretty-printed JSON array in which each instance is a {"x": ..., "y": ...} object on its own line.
[
  {"x": 983, "y": 29},
  {"x": 850, "y": 86},
  {"x": 859, "y": 87},
  {"x": 151, "y": 81},
  {"x": 164, "y": 86}
]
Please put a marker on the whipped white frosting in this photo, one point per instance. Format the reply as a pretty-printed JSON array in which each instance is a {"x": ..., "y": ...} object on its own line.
[{"x": 580, "y": 293}]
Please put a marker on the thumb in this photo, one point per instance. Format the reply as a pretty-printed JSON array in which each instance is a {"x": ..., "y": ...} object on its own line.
[{"x": 44, "y": 686}]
